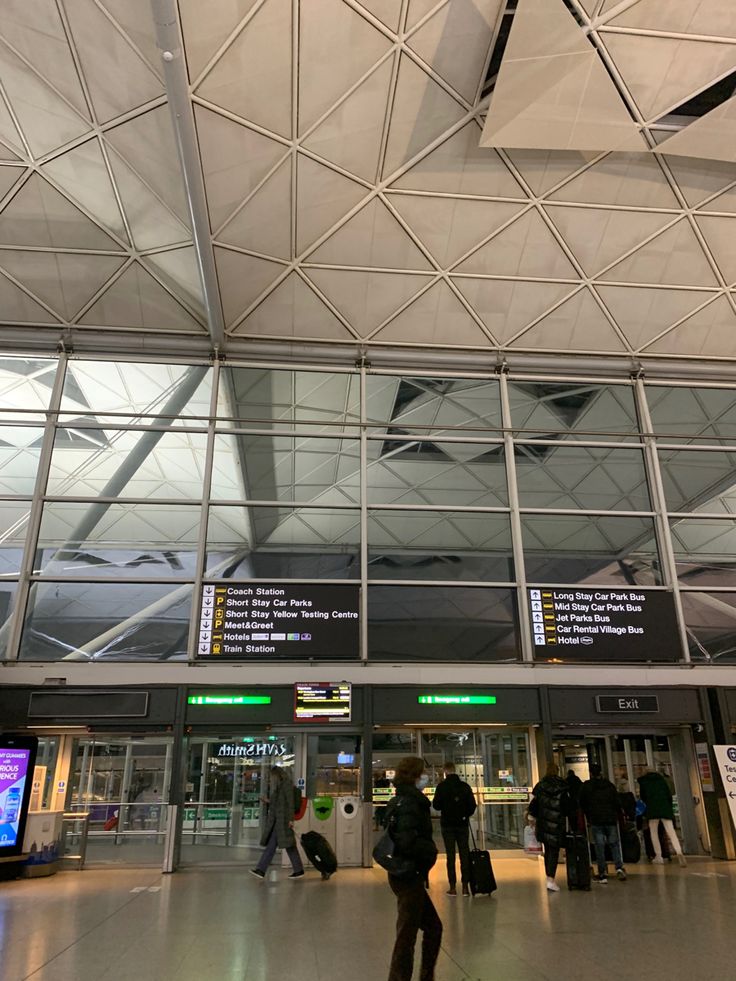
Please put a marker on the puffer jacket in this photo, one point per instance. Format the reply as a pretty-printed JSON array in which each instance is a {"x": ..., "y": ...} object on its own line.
[
  {"x": 600, "y": 801},
  {"x": 409, "y": 820},
  {"x": 551, "y": 795}
]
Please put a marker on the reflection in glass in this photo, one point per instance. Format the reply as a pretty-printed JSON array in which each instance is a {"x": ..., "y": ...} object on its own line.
[
  {"x": 689, "y": 413},
  {"x": 585, "y": 477},
  {"x": 25, "y": 386},
  {"x": 582, "y": 548},
  {"x": 438, "y": 405},
  {"x": 127, "y": 463},
  {"x": 436, "y": 472},
  {"x": 710, "y": 622},
  {"x": 283, "y": 543},
  {"x": 20, "y": 447},
  {"x": 442, "y": 623},
  {"x": 572, "y": 409},
  {"x": 286, "y": 468},
  {"x": 442, "y": 545},
  {"x": 106, "y": 621},
  {"x": 699, "y": 480},
  {"x": 13, "y": 527},
  {"x": 705, "y": 551},
  {"x": 7, "y": 602},
  {"x": 118, "y": 540}
]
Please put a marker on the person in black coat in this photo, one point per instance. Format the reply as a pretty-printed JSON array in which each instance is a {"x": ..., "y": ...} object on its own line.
[
  {"x": 409, "y": 822},
  {"x": 455, "y": 801},
  {"x": 549, "y": 808},
  {"x": 600, "y": 801}
]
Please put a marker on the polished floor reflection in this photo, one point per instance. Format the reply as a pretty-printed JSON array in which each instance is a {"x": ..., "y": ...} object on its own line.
[{"x": 664, "y": 924}]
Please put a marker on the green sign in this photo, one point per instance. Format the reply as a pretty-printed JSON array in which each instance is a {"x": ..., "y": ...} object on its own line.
[
  {"x": 456, "y": 699},
  {"x": 323, "y": 807},
  {"x": 229, "y": 700}
]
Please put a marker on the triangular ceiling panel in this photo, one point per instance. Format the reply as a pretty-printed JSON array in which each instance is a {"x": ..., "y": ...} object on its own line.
[
  {"x": 263, "y": 224},
  {"x": 697, "y": 182},
  {"x": 323, "y": 198},
  {"x": 137, "y": 23},
  {"x": 242, "y": 279},
  {"x": 507, "y": 306},
  {"x": 8, "y": 177},
  {"x": 421, "y": 112},
  {"x": 544, "y": 169},
  {"x": 597, "y": 237},
  {"x": 419, "y": 9},
  {"x": 17, "y": 307},
  {"x": 663, "y": 72},
  {"x": 351, "y": 135},
  {"x": 178, "y": 269},
  {"x": 526, "y": 248},
  {"x": 460, "y": 166},
  {"x": 117, "y": 77},
  {"x": 387, "y": 11},
  {"x": 643, "y": 313},
  {"x": 627, "y": 179},
  {"x": 454, "y": 42},
  {"x": 723, "y": 202},
  {"x": 206, "y": 27},
  {"x": 294, "y": 310},
  {"x": 372, "y": 237},
  {"x": 712, "y": 137},
  {"x": 684, "y": 17},
  {"x": 436, "y": 317},
  {"x": 235, "y": 160},
  {"x": 578, "y": 324},
  {"x": 253, "y": 78},
  {"x": 151, "y": 223},
  {"x": 710, "y": 332},
  {"x": 450, "y": 227},
  {"x": 81, "y": 173},
  {"x": 336, "y": 48},
  {"x": 65, "y": 281},
  {"x": 10, "y": 142},
  {"x": 720, "y": 234},
  {"x": 553, "y": 91},
  {"x": 38, "y": 215},
  {"x": 366, "y": 299},
  {"x": 673, "y": 258},
  {"x": 136, "y": 300}
]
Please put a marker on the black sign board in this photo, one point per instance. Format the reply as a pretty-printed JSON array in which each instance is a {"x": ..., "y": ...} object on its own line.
[
  {"x": 290, "y": 621},
  {"x": 627, "y": 703},
  {"x": 322, "y": 702},
  {"x": 591, "y": 624}
]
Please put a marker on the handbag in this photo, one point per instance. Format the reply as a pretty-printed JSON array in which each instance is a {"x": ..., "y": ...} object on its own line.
[
  {"x": 532, "y": 847},
  {"x": 384, "y": 853}
]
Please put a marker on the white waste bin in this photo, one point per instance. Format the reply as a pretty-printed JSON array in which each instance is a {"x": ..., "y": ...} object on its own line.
[{"x": 349, "y": 831}]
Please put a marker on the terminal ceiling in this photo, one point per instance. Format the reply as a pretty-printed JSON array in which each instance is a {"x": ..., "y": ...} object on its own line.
[{"x": 344, "y": 194}]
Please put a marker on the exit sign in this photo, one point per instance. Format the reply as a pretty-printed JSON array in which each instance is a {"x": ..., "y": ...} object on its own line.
[
  {"x": 456, "y": 699},
  {"x": 627, "y": 703},
  {"x": 229, "y": 700}
]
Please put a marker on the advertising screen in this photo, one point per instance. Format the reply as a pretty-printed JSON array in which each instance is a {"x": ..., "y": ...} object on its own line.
[
  {"x": 322, "y": 701},
  {"x": 15, "y": 763}
]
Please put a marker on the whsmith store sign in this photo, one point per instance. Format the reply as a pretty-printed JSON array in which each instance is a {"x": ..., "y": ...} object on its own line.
[{"x": 252, "y": 750}]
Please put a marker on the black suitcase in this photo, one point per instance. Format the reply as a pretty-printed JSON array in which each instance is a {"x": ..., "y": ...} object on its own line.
[
  {"x": 630, "y": 843},
  {"x": 577, "y": 861},
  {"x": 482, "y": 879},
  {"x": 319, "y": 852}
]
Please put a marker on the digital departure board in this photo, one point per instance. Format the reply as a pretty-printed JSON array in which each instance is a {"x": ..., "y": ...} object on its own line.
[
  {"x": 603, "y": 625},
  {"x": 316, "y": 701},
  {"x": 291, "y": 621}
]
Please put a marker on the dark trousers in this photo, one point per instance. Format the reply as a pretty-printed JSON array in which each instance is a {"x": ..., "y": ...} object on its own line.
[
  {"x": 457, "y": 837},
  {"x": 415, "y": 912},
  {"x": 551, "y": 858}
]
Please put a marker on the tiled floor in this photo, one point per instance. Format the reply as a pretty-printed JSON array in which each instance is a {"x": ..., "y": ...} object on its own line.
[{"x": 664, "y": 924}]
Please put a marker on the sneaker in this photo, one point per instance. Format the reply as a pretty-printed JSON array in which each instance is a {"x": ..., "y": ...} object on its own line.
[
  {"x": 452, "y": 891},
  {"x": 682, "y": 860},
  {"x": 603, "y": 879},
  {"x": 466, "y": 889},
  {"x": 257, "y": 873},
  {"x": 658, "y": 861},
  {"x": 296, "y": 875},
  {"x": 621, "y": 874},
  {"x": 552, "y": 885}
]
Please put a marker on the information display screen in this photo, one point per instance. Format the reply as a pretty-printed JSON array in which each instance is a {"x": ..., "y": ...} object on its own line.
[
  {"x": 16, "y": 770},
  {"x": 292, "y": 621},
  {"x": 322, "y": 701},
  {"x": 603, "y": 625}
]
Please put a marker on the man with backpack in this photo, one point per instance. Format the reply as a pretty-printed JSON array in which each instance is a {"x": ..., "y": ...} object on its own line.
[
  {"x": 455, "y": 801},
  {"x": 602, "y": 807}
]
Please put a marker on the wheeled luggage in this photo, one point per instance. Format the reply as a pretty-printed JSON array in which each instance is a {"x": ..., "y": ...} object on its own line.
[
  {"x": 577, "y": 861},
  {"x": 630, "y": 843},
  {"x": 319, "y": 852},
  {"x": 482, "y": 879}
]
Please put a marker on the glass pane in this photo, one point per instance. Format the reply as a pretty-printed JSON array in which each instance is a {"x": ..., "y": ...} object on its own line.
[
  {"x": 438, "y": 405},
  {"x": 25, "y": 386},
  {"x": 439, "y": 545},
  {"x": 573, "y": 409},
  {"x": 286, "y": 468},
  {"x": 441, "y": 623},
  {"x": 686, "y": 414},
  {"x": 127, "y": 463},
  {"x": 424, "y": 472},
  {"x": 93, "y": 388},
  {"x": 588, "y": 548},
  {"x": 283, "y": 543},
  {"x": 710, "y": 621},
  {"x": 13, "y": 526},
  {"x": 699, "y": 481},
  {"x": 20, "y": 447},
  {"x": 125, "y": 540},
  {"x": 280, "y": 399},
  {"x": 705, "y": 551},
  {"x": 585, "y": 477},
  {"x": 7, "y": 602},
  {"x": 333, "y": 766},
  {"x": 107, "y": 621}
]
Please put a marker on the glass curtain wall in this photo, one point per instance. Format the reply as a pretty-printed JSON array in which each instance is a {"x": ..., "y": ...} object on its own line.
[{"x": 126, "y": 486}]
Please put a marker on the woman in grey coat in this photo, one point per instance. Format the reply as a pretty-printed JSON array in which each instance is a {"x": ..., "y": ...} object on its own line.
[{"x": 278, "y": 831}]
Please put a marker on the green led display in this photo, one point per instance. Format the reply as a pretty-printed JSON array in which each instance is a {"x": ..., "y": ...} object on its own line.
[
  {"x": 229, "y": 700},
  {"x": 456, "y": 699}
]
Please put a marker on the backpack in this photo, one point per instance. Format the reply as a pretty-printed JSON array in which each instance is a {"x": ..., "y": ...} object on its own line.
[{"x": 384, "y": 853}]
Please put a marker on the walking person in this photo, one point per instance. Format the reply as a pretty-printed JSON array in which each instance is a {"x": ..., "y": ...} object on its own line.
[
  {"x": 456, "y": 803},
  {"x": 278, "y": 831},
  {"x": 409, "y": 823},
  {"x": 601, "y": 805},
  {"x": 656, "y": 794},
  {"x": 548, "y": 808}
]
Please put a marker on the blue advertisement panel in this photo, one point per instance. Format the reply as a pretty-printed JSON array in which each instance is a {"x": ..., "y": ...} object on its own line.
[{"x": 17, "y": 758}]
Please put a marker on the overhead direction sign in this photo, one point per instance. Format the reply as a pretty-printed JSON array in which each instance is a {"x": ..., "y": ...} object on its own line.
[{"x": 456, "y": 699}]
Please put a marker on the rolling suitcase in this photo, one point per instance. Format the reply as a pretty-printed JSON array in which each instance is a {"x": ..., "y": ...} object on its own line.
[
  {"x": 319, "y": 852},
  {"x": 482, "y": 879},
  {"x": 630, "y": 843},
  {"x": 577, "y": 861}
]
